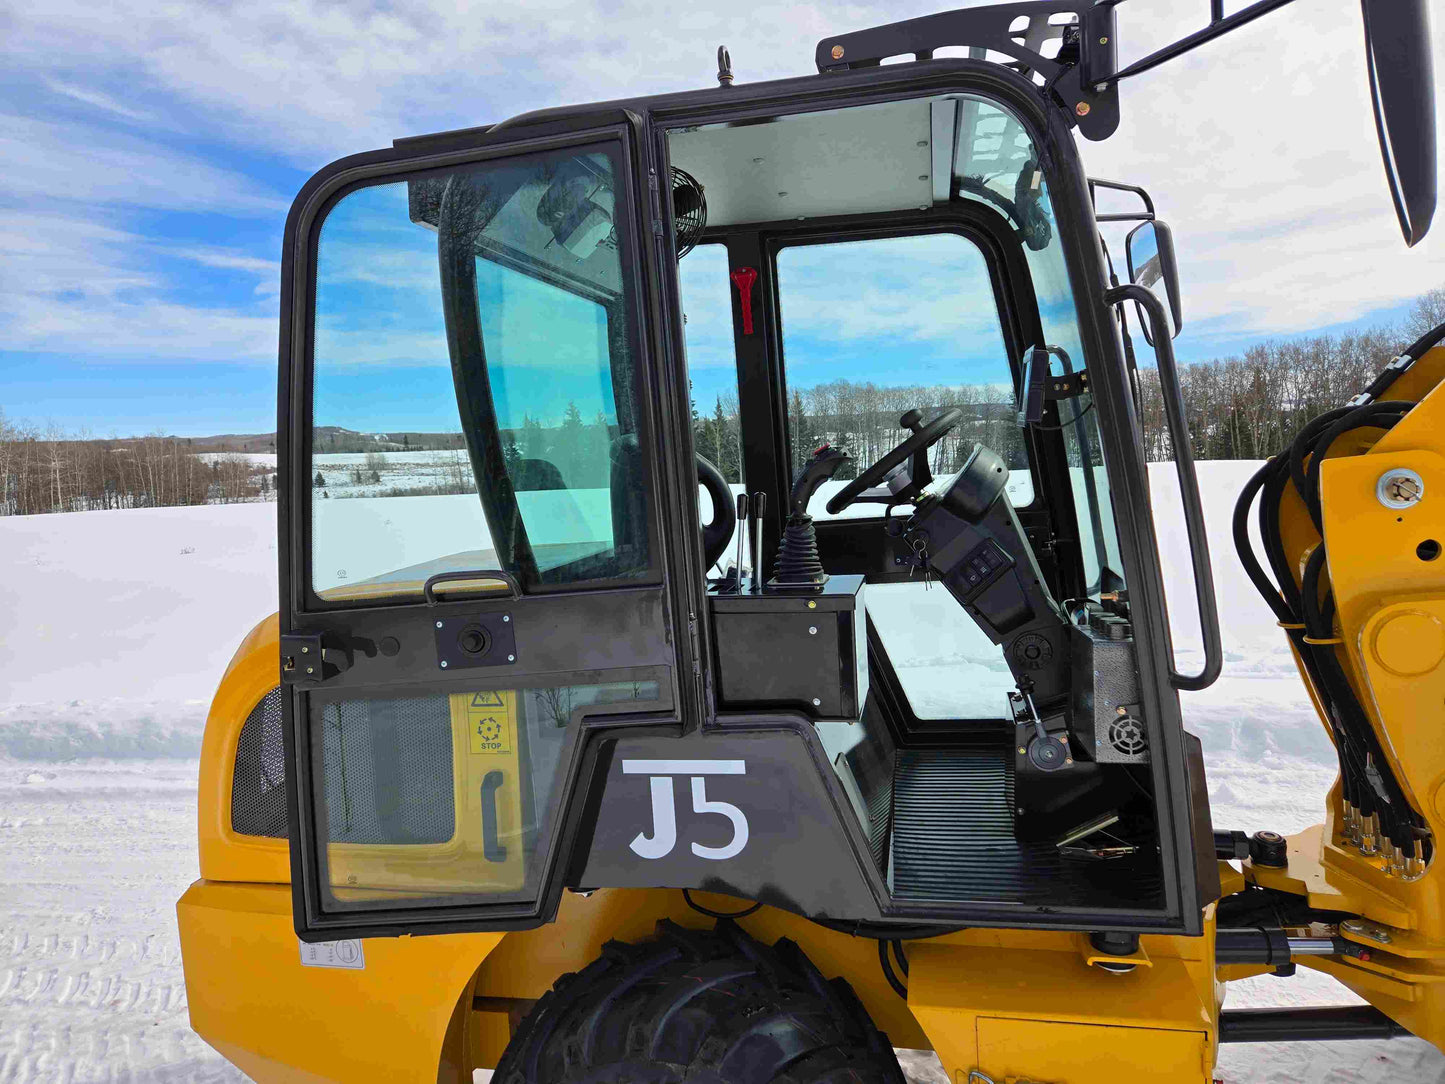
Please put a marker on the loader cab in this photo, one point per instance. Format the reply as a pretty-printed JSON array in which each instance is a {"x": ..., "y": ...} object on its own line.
[{"x": 518, "y": 634}]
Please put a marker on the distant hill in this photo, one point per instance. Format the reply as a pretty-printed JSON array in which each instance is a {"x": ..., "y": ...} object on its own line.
[{"x": 329, "y": 438}]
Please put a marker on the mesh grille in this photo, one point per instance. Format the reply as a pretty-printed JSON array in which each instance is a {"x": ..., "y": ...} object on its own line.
[
  {"x": 386, "y": 770},
  {"x": 258, "y": 791}
]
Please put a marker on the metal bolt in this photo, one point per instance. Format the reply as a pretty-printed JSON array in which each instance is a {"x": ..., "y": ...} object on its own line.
[
  {"x": 1082, "y": 109},
  {"x": 1023, "y": 751},
  {"x": 311, "y": 669},
  {"x": 511, "y": 658},
  {"x": 506, "y": 618},
  {"x": 439, "y": 624},
  {"x": 817, "y": 703},
  {"x": 1400, "y": 488},
  {"x": 812, "y": 630},
  {"x": 1121, "y": 711},
  {"x": 305, "y": 650},
  {"x": 812, "y": 605},
  {"x": 444, "y": 664},
  {"x": 837, "y": 52},
  {"x": 1103, "y": 41}
]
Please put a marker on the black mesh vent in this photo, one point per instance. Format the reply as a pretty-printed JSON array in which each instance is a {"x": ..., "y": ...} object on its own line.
[
  {"x": 258, "y": 790},
  {"x": 387, "y": 770}
]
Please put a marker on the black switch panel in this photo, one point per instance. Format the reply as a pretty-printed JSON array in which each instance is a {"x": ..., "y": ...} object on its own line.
[{"x": 982, "y": 565}]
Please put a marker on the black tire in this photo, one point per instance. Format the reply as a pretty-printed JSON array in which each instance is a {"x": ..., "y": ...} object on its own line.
[{"x": 701, "y": 1007}]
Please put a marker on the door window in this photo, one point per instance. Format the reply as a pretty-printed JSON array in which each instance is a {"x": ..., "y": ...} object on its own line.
[
  {"x": 443, "y": 798},
  {"x": 474, "y": 402},
  {"x": 875, "y": 327}
]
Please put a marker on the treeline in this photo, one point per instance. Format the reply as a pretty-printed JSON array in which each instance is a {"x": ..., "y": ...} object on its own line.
[
  {"x": 1252, "y": 406},
  {"x": 50, "y": 471},
  {"x": 862, "y": 420}
]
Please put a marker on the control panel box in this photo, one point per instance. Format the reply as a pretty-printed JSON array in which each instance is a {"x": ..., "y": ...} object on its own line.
[{"x": 806, "y": 650}]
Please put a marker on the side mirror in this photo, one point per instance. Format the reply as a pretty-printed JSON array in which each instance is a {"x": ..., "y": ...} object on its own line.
[
  {"x": 1150, "y": 251},
  {"x": 1032, "y": 374}
]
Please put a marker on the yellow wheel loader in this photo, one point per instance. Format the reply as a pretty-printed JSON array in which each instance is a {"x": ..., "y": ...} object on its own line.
[{"x": 533, "y": 773}]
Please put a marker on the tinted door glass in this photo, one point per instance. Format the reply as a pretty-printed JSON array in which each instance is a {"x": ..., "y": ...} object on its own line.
[{"x": 474, "y": 401}]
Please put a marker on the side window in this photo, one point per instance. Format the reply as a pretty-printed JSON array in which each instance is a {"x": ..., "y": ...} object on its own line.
[
  {"x": 707, "y": 321},
  {"x": 874, "y": 327},
  {"x": 473, "y": 399},
  {"x": 712, "y": 363}
]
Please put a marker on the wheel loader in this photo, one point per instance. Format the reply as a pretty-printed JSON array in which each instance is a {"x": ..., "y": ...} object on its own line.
[{"x": 580, "y": 751}]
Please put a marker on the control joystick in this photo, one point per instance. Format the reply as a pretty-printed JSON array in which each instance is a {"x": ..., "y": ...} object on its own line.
[{"x": 798, "y": 564}]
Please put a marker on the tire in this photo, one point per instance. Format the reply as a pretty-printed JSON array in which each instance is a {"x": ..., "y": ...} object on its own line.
[{"x": 701, "y": 1007}]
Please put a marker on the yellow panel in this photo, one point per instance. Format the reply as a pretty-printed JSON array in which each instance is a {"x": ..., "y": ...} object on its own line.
[
  {"x": 1088, "y": 1053},
  {"x": 281, "y": 1022}
]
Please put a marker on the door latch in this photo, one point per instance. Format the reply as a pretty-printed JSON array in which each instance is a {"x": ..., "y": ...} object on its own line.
[{"x": 305, "y": 660}]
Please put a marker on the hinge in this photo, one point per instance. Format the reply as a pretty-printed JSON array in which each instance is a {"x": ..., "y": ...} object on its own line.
[
  {"x": 305, "y": 660},
  {"x": 656, "y": 206}
]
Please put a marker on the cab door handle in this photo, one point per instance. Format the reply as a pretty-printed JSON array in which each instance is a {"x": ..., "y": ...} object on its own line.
[{"x": 492, "y": 846}]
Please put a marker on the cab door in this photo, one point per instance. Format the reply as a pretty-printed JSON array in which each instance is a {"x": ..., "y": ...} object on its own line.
[{"x": 474, "y": 570}]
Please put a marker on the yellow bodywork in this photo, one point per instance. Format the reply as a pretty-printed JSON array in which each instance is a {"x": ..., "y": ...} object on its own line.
[
  {"x": 1390, "y": 620},
  {"x": 1015, "y": 1005}
]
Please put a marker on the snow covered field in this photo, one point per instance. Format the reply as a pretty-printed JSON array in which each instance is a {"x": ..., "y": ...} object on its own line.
[{"x": 119, "y": 625}]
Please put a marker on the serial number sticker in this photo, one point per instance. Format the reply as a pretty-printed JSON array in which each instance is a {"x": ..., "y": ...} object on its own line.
[
  {"x": 489, "y": 723},
  {"x": 346, "y": 954}
]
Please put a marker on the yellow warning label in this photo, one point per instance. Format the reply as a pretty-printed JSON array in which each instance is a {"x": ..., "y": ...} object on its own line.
[{"x": 491, "y": 718}]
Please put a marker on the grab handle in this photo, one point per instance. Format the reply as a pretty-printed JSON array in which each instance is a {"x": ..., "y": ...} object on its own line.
[
  {"x": 428, "y": 589},
  {"x": 1188, "y": 486}
]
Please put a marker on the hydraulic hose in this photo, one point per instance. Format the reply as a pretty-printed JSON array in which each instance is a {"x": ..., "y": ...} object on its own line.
[{"x": 1306, "y": 611}]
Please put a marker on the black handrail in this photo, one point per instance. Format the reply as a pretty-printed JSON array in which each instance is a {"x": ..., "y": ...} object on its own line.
[
  {"x": 428, "y": 589},
  {"x": 1188, "y": 486}
]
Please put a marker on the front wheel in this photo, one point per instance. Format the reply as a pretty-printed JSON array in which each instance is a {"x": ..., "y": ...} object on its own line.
[{"x": 704, "y": 1007}]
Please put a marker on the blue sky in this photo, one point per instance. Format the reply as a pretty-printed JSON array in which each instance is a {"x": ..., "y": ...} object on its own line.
[{"x": 151, "y": 153}]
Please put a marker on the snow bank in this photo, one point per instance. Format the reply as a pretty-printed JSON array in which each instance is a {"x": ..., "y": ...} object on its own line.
[{"x": 122, "y": 622}]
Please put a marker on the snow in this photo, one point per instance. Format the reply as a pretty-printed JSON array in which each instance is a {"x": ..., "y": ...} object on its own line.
[{"x": 120, "y": 624}]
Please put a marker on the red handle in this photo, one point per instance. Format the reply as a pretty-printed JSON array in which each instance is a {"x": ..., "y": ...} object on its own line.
[{"x": 744, "y": 278}]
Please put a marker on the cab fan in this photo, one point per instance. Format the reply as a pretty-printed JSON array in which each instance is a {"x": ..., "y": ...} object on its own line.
[{"x": 689, "y": 211}]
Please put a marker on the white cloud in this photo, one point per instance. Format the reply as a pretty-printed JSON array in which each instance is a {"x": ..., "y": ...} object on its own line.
[
  {"x": 70, "y": 284},
  {"x": 1259, "y": 148},
  {"x": 98, "y": 100},
  {"x": 49, "y": 161}
]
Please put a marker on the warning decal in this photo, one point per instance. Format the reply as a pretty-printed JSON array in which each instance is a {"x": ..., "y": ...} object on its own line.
[{"x": 490, "y": 718}]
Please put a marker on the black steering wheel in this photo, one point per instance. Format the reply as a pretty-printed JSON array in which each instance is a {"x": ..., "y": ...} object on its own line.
[
  {"x": 718, "y": 531},
  {"x": 922, "y": 438}
]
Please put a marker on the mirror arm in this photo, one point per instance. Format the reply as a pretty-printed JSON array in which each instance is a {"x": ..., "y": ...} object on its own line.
[{"x": 1219, "y": 25}]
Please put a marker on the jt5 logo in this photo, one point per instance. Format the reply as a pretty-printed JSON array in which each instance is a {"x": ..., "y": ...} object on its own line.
[{"x": 664, "y": 812}]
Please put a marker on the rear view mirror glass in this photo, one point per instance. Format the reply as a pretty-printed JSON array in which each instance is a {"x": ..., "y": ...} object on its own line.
[
  {"x": 1150, "y": 251},
  {"x": 1402, "y": 89}
]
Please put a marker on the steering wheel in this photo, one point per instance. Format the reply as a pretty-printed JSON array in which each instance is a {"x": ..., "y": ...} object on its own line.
[
  {"x": 718, "y": 531},
  {"x": 923, "y": 438}
]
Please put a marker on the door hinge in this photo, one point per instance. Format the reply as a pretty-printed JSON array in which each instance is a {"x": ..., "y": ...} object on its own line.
[
  {"x": 656, "y": 208},
  {"x": 306, "y": 660}
]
